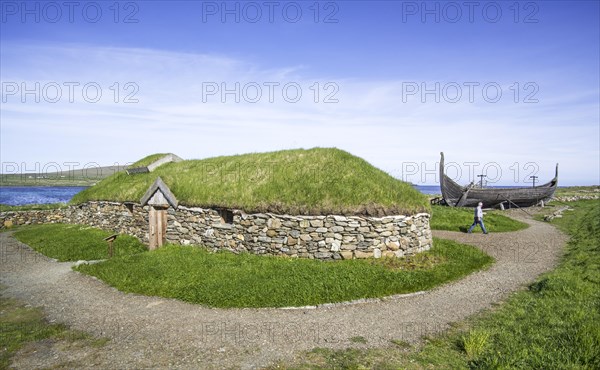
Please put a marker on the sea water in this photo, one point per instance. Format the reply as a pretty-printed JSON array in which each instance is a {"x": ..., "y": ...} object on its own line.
[{"x": 22, "y": 195}]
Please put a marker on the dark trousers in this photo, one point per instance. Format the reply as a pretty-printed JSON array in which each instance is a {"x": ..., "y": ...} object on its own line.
[{"x": 478, "y": 221}]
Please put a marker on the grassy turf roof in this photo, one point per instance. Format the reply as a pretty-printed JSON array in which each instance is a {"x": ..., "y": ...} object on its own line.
[{"x": 317, "y": 181}]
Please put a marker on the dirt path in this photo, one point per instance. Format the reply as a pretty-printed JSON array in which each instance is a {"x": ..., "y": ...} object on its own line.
[{"x": 160, "y": 333}]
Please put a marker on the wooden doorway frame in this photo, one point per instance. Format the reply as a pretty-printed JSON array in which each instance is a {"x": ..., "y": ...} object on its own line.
[
  {"x": 159, "y": 198},
  {"x": 157, "y": 226}
]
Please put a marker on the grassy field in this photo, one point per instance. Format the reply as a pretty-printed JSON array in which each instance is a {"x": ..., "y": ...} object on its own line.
[
  {"x": 75, "y": 242},
  {"x": 551, "y": 325},
  {"x": 459, "y": 219},
  {"x": 226, "y": 280},
  {"x": 577, "y": 190},
  {"x": 315, "y": 181}
]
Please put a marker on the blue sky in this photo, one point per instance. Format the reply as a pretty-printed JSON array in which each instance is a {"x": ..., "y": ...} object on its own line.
[{"x": 514, "y": 87}]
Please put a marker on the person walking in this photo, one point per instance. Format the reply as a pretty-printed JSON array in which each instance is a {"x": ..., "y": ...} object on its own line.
[{"x": 478, "y": 219}]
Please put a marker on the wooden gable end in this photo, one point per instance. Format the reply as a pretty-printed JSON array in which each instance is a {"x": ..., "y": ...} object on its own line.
[{"x": 159, "y": 195}]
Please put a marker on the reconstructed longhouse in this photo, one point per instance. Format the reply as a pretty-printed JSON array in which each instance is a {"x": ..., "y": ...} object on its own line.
[{"x": 318, "y": 203}]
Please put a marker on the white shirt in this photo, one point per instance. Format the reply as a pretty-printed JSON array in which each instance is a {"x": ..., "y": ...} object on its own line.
[{"x": 479, "y": 212}]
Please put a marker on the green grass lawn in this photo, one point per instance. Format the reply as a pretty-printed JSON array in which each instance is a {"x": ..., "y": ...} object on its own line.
[
  {"x": 75, "y": 242},
  {"x": 459, "y": 219},
  {"x": 314, "y": 181},
  {"x": 554, "y": 324},
  {"x": 227, "y": 280}
]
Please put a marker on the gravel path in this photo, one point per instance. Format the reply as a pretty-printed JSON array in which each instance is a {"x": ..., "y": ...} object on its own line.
[{"x": 160, "y": 333}]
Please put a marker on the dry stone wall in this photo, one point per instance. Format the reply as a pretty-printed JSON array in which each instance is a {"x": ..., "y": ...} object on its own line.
[
  {"x": 118, "y": 217},
  {"x": 320, "y": 237}
]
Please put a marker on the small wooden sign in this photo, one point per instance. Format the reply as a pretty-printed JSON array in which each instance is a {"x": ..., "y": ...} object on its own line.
[{"x": 110, "y": 240}]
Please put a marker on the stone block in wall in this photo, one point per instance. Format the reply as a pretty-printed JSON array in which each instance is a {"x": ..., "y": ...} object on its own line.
[
  {"x": 305, "y": 237},
  {"x": 347, "y": 255},
  {"x": 388, "y": 254},
  {"x": 323, "y": 255},
  {"x": 337, "y": 229},
  {"x": 274, "y": 223},
  {"x": 316, "y": 223},
  {"x": 360, "y": 254},
  {"x": 348, "y": 247}
]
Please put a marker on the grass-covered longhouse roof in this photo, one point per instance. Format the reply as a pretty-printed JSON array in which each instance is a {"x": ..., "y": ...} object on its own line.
[{"x": 305, "y": 182}]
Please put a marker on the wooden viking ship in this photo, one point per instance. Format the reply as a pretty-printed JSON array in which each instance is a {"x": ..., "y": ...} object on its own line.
[{"x": 456, "y": 195}]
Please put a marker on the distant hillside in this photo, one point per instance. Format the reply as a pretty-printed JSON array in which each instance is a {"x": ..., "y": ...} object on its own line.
[
  {"x": 78, "y": 177},
  {"x": 314, "y": 181}
]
